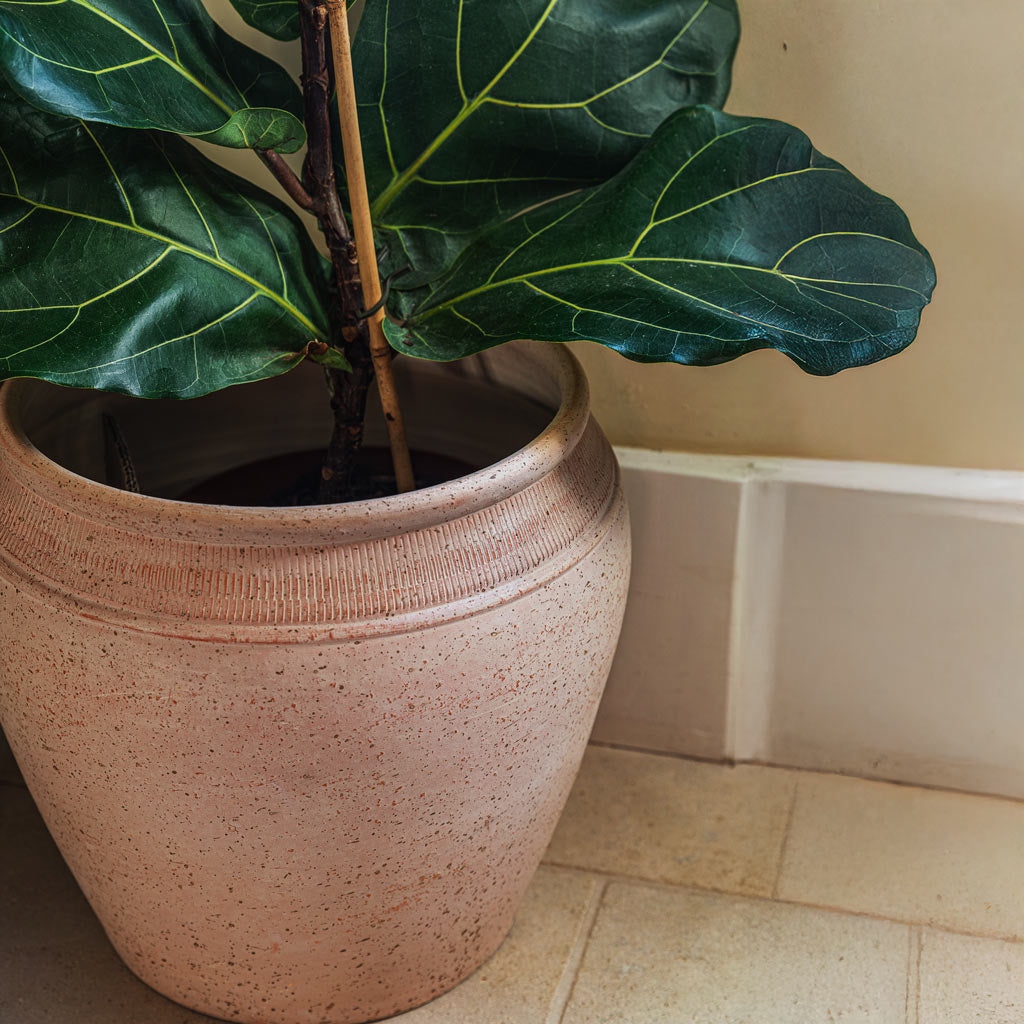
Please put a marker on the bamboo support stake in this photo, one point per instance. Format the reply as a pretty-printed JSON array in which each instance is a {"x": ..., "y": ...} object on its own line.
[{"x": 366, "y": 250}]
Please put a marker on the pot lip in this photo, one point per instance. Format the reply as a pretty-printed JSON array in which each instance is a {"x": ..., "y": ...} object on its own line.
[{"x": 365, "y": 519}]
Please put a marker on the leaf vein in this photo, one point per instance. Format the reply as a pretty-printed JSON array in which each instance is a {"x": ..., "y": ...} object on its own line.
[
  {"x": 160, "y": 344},
  {"x": 188, "y": 250}
]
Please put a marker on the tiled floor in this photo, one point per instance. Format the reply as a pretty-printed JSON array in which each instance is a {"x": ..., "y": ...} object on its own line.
[{"x": 674, "y": 892}]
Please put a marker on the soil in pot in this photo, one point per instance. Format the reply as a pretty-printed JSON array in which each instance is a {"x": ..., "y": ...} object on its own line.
[
  {"x": 293, "y": 479},
  {"x": 174, "y": 447}
]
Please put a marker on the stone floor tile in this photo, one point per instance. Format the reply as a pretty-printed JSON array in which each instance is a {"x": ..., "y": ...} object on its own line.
[
  {"x": 937, "y": 858},
  {"x": 56, "y": 965},
  {"x": 671, "y": 820},
  {"x": 40, "y": 902},
  {"x": 81, "y": 984},
  {"x": 963, "y": 978},
  {"x": 520, "y": 982},
  {"x": 663, "y": 956}
]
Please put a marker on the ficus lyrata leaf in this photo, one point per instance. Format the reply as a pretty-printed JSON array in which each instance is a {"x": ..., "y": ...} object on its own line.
[
  {"x": 131, "y": 263},
  {"x": 278, "y": 18},
  {"x": 724, "y": 235},
  {"x": 148, "y": 64},
  {"x": 472, "y": 110}
]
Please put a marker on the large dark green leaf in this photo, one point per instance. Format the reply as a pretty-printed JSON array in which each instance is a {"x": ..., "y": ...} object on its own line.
[
  {"x": 129, "y": 262},
  {"x": 148, "y": 64},
  {"x": 472, "y": 110},
  {"x": 278, "y": 18},
  {"x": 724, "y": 235}
]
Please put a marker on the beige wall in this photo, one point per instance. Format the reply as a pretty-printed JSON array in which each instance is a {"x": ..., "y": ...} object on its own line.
[{"x": 921, "y": 98}]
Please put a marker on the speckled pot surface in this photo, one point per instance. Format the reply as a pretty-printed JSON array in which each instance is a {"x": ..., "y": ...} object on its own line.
[{"x": 303, "y": 762}]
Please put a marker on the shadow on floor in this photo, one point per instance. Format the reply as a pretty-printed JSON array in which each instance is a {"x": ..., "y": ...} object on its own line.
[{"x": 57, "y": 965}]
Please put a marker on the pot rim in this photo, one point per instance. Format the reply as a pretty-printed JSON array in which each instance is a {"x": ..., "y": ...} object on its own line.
[{"x": 373, "y": 517}]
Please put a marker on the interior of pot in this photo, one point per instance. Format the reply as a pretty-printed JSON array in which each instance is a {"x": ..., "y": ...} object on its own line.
[{"x": 477, "y": 410}]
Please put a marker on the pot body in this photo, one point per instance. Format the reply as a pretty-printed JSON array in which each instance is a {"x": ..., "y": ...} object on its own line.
[{"x": 304, "y": 762}]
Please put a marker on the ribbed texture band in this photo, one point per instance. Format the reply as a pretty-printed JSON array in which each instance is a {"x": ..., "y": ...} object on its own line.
[{"x": 318, "y": 584}]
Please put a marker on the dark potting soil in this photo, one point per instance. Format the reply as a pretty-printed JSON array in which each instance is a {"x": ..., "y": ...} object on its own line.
[{"x": 293, "y": 479}]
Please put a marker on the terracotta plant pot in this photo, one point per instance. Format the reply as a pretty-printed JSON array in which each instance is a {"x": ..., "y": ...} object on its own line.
[{"x": 304, "y": 761}]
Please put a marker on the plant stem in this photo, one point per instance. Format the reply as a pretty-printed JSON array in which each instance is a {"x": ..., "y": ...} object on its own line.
[
  {"x": 366, "y": 251},
  {"x": 286, "y": 178},
  {"x": 348, "y": 391},
  {"x": 318, "y": 170}
]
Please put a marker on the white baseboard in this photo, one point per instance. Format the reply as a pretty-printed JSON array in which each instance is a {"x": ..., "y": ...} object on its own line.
[{"x": 852, "y": 617}]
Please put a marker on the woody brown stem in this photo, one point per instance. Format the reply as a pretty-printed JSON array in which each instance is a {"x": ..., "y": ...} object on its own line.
[
  {"x": 366, "y": 252},
  {"x": 348, "y": 390},
  {"x": 286, "y": 178},
  {"x": 318, "y": 169}
]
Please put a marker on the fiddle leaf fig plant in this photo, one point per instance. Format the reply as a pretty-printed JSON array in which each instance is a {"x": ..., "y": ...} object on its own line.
[
  {"x": 133, "y": 263},
  {"x": 555, "y": 169},
  {"x": 483, "y": 110},
  {"x": 278, "y": 18},
  {"x": 163, "y": 64},
  {"x": 675, "y": 259}
]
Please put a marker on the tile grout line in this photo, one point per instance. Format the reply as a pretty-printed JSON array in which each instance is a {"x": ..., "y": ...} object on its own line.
[
  {"x": 877, "y": 780},
  {"x": 784, "y": 845},
  {"x": 570, "y": 971},
  {"x": 827, "y": 908},
  {"x": 630, "y": 748},
  {"x": 917, "y": 974},
  {"x": 912, "y": 997},
  {"x": 830, "y": 773}
]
